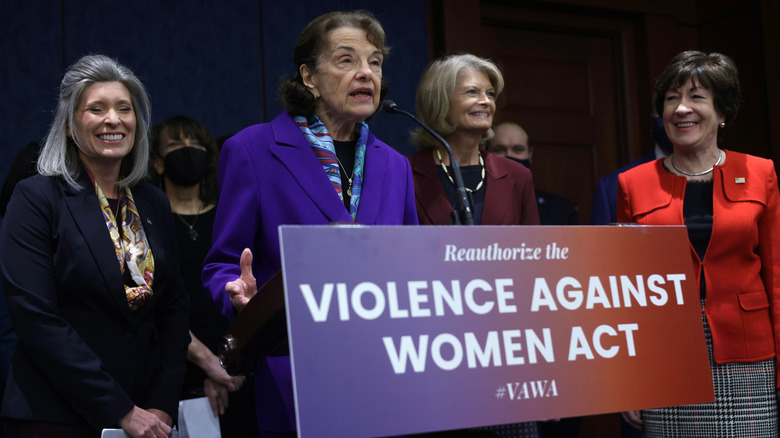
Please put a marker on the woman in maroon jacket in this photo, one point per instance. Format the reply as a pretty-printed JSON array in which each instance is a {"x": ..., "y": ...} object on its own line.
[
  {"x": 456, "y": 97},
  {"x": 729, "y": 203}
]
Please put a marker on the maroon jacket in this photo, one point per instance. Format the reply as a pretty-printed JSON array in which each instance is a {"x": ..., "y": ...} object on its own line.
[{"x": 509, "y": 192}]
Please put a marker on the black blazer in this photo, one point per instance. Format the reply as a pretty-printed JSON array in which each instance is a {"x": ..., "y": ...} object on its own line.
[{"x": 83, "y": 356}]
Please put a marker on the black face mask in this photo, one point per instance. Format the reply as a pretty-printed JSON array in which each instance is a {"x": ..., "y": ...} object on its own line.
[
  {"x": 526, "y": 162},
  {"x": 186, "y": 166}
]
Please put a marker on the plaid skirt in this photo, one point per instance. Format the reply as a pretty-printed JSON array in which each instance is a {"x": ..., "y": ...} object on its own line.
[
  {"x": 745, "y": 404},
  {"x": 514, "y": 430}
]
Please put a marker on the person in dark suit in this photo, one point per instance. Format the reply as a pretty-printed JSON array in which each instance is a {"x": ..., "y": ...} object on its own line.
[
  {"x": 91, "y": 273},
  {"x": 456, "y": 97},
  {"x": 604, "y": 210},
  {"x": 511, "y": 141},
  {"x": 23, "y": 167},
  {"x": 316, "y": 163}
]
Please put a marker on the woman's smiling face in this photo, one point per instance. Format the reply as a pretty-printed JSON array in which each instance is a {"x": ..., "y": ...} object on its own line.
[
  {"x": 690, "y": 117},
  {"x": 105, "y": 123},
  {"x": 473, "y": 102}
]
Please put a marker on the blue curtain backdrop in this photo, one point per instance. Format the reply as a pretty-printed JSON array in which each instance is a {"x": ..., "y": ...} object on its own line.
[{"x": 217, "y": 61}]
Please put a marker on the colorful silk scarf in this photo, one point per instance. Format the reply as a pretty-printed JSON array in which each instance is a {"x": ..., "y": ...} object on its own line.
[
  {"x": 322, "y": 143},
  {"x": 132, "y": 248}
]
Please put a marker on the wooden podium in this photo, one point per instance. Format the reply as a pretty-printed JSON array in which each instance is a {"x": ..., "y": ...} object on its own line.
[{"x": 258, "y": 330}]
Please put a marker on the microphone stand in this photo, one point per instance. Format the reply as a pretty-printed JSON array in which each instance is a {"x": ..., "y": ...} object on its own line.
[{"x": 462, "y": 211}]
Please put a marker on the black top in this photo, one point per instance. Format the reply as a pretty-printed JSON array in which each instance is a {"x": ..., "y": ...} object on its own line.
[
  {"x": 471, "y": 177},
  {"x": 697, "y": 212},
  {"x": 345, "y": 151},
  {"x": 206, "y": 322}
]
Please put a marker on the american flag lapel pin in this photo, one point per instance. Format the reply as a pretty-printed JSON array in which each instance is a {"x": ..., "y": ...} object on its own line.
[{"x": 739, "y": 180}]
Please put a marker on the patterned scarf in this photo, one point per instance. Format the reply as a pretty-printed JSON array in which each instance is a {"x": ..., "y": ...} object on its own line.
[
  {"x": 320, "y": 140},
  {"x": 132, "y": 248}
]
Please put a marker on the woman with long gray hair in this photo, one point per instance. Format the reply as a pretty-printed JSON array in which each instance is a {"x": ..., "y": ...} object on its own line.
[{"x": 91, "y": 275}]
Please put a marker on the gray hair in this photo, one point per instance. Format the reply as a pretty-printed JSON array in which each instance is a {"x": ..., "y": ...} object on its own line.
[
  {"x": 432, "y": 102},
  {"x": 60, "y": 155}
]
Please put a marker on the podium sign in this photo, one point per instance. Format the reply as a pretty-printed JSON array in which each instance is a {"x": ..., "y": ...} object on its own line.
[{"x": 397, "y": 330}]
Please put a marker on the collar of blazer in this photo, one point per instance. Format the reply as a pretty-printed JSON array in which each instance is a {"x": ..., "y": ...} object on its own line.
[
  {"x": 295, "y": 153},
  {"x": 84, "y": 207},
  {"x": 742, "y": 178},
  {"x": 432, "y": 198}
]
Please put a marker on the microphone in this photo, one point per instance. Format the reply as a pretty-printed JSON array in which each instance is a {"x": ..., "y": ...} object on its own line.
[
  {"x": 462, "y": 211},
  {"x": 390, "y": 107}
]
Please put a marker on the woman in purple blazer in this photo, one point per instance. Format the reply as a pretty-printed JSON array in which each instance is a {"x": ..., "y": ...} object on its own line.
[{"x": 315, "y": 163}]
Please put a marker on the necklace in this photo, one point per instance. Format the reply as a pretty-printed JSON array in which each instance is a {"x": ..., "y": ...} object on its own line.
[
  {"x": 481, "y": 181},
  {"x": 349, "y": 177},
  {"x": 193, "y": 234},
  {"x": 720, "y": 156}
]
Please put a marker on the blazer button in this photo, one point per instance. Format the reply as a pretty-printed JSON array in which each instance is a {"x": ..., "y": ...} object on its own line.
[{"x": 129, "y": 333}]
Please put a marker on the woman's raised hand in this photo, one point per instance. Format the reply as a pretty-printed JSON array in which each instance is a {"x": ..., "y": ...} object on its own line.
[{"x": 242, "y": 289}]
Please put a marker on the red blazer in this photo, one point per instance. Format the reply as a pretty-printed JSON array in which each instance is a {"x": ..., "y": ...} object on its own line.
[
  {"x": 741, "y": 265},
  {"x": 509, "y": 192}
]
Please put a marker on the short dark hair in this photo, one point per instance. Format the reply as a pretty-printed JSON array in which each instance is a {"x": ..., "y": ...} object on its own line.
[
  {"x": 714, "y": 71},
  {"x": 179, "y": 127},
  {"x": 296, "y": 98}
]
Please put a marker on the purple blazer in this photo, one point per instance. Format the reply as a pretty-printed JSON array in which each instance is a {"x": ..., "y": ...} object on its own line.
[{"x": 270, "y": 176}]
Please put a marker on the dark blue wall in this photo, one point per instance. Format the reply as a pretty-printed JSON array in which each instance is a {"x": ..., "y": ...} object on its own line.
[
  {"x": 217, "y": 61},
  {"x": 405, "y": 25}
]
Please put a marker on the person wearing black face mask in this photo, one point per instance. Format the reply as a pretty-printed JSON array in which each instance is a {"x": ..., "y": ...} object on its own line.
[
  {"x": 184, "y": 166},
  {"x": 511, "y": 141}
]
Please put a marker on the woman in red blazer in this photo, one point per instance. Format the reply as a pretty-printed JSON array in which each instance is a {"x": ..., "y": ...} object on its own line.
[
  {"x": 457, "y": 99},
  {"x": 729, "y": 203}
]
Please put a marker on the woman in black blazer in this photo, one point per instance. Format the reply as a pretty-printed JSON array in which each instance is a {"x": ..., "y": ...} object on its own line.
[{"x": 91, "y": 274}]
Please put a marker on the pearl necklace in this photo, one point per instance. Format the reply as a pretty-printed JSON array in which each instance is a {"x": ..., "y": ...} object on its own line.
[
  {"x": 720, "y": 156},
  {"x": 481, "y": 163}
]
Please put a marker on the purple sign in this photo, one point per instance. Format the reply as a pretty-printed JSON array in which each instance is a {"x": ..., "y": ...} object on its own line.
[{"x": 397, "y": 330}]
